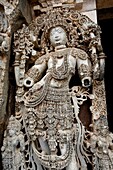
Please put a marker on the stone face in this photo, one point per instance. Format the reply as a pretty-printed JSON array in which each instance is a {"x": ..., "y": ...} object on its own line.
[{"x": 55, "y": 96}]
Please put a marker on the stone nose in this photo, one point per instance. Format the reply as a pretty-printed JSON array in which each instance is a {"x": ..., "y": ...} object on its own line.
[{"x": 56, "y": 36}]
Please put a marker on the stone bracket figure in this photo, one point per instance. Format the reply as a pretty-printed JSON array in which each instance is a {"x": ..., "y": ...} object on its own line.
[
  {"x": 13, "y": 146},
  {"x": 49, "y": 91},
  {"x": 57, "y": 63}
]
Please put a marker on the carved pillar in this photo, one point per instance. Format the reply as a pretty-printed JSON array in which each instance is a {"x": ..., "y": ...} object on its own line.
[
  {"x": 89, "y": 9},
  {"x": 5, "y": 42}
]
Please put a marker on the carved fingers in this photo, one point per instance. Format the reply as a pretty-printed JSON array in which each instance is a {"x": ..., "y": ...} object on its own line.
[{"x": 36, "y": 87}]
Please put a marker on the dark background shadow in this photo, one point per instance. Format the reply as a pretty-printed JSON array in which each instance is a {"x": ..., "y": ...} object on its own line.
[{"x": 107, "y": 43}]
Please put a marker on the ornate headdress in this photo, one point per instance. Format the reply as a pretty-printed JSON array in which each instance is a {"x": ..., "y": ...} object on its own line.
[
  {"x": 101, "y": 123},
  {"x": 77, "y": 26},
  {"x": 14, "y": 124}
]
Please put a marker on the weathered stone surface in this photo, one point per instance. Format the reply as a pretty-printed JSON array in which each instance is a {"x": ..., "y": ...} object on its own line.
[{"x": 52, "y": 88}]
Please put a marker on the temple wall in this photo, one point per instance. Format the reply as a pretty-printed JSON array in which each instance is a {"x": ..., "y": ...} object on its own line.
[{"x": 11, "y": 94}]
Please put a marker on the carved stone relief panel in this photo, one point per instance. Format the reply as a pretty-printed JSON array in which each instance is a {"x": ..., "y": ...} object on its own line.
[{"x": 58, "y": 62}]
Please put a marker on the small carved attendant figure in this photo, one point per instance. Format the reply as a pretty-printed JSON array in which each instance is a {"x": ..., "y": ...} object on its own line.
[
  {"x": 13, "y": 146},
  {"x": 102, "y": 147},
  {"x": 48, "y": 102}
]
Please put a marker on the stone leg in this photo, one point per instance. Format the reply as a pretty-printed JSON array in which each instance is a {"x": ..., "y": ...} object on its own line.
[
  {"x": 73, "y": 164},
  {"x": 44, "y": 146}
]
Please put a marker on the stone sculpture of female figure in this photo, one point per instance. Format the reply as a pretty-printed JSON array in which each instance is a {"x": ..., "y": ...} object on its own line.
[
  {"x": 13, "y": 146},
  {"x": 49, "y": 112},
  {"x": 102, "y": 147}
]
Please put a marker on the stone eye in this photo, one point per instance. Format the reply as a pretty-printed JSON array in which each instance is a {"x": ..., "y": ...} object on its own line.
[{"x": 59, "y": 31}]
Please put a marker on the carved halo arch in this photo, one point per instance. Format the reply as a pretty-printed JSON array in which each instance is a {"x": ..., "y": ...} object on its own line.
[{"x": 77, "y": 26}]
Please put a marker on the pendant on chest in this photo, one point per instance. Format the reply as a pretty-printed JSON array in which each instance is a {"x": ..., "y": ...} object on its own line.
[{"x": 60, "y": 68}]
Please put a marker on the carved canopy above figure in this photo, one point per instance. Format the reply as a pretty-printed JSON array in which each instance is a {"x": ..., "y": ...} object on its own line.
[{"x": 60, "y": 119}]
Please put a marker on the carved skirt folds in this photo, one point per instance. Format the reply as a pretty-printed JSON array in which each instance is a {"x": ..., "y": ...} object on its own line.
[
  {"x": 51, "y": 122},
  {"x": 56, "y": 109},
  {"x": 53, "y": 114}
]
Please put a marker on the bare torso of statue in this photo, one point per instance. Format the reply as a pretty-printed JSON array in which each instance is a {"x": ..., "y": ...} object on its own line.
[{"x": 51, "y": 99}]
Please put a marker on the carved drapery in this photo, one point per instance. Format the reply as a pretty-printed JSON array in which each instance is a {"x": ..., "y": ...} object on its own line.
[{"x": 47, "y": 128}]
